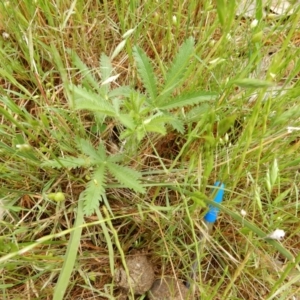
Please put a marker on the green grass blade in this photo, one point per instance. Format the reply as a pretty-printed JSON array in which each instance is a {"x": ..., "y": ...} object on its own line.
[
  {"x": 254, "y": 228},
  {"x": 70, "y": 256}
]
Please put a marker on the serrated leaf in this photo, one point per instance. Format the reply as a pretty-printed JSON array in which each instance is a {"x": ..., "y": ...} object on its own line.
[
  {"x": 87, "y": 148},
  {"x": 101, "y": 153},
  {"x": 156, "y": 128},
  {"x": 195, "y": 113},
  {"x": 145, "y": 70},
  {"x": 122, "y": 91},
  {"x": 126, "y": 176},
  {"x": 157, "y": 123},
  {"x": 158, "y": 119},
  {"x": 140, "y": 133},
  {"x": 127, "y": 121},
  {"x": 178, "y": 68},
  {"x": 188, "y": 99},
  {"x": 106, "y": 67},
  {"x": 84, "y": 99},
  {"x": 67, "y": 162},
  {"x": 106, "y": 70},
  {"x": 177, "y": 125},
  {"x": 85, "y": 71},
  {"x": 94, "y": 191},
  {"x": 252, "y": 83}
]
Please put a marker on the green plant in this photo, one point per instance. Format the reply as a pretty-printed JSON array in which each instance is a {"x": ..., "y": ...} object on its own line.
[
  {"x": 101, "y": 164},
  {"x": 135, "y": 113}
]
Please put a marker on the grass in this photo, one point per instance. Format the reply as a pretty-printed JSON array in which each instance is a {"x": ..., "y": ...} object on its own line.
[{"x": 150, "y": 193}]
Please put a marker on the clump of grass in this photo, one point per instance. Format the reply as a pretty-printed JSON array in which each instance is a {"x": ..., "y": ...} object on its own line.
[{"x": 51, "y": 57}]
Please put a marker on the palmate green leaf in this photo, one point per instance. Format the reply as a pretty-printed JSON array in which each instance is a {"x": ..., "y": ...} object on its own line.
[
  {"x": 188, "y": 99},
  {"x": 94, "y": 191},
  {"x": 126, "y": 176},
  {"x": 87, "y": 148},
  {"x": 145, "y": 70},
  {"x": 84, "y": 99},
  {"x": 67, "y": 162},
  {"x": 176, "y": 73}
]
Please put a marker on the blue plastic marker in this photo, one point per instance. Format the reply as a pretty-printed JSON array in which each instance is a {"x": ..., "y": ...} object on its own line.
[
  {"x": 209, "y": 220},
  {"x": 212, "y": 214}
]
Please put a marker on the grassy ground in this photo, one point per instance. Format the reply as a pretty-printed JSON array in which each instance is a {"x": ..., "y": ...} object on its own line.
[{"x": 95, "y": 168}]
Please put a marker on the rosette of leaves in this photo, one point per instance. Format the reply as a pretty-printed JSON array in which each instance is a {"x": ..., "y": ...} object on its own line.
[
  {"x": 101, "y": 164},
  {"x": 139, "y": 113}
]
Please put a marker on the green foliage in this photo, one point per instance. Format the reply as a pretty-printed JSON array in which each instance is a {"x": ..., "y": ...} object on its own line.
[
  {"x": 102, "y": 165},
  {"x": 139, "y": 113},
  {"x": 177, "y": 72},
  {"x": 135, "y": 113},
  {"x": 49, "y": 97},
  {"x": 146, "y": 72}
]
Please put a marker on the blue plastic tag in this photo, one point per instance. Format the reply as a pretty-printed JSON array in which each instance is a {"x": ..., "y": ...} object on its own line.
[{"x": 212, "y": 214}]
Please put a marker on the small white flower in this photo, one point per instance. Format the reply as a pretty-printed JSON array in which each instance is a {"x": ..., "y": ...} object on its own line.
[
  {"x": 278, "y": 234},
  {"x": 254, "y": 23},
  {"x": 243, "y": 213}
]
